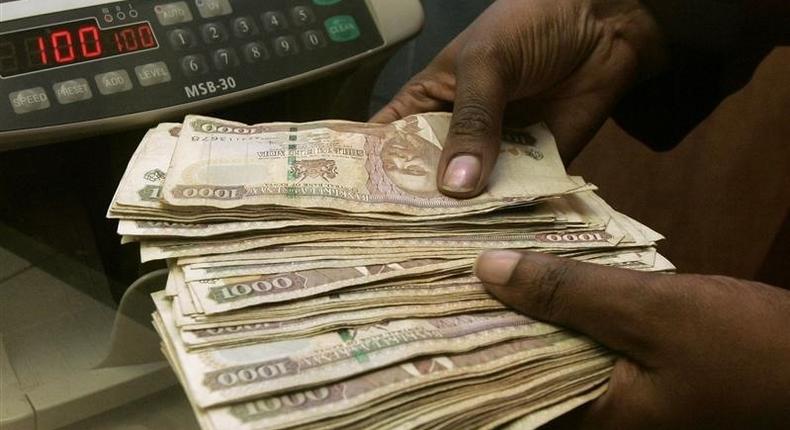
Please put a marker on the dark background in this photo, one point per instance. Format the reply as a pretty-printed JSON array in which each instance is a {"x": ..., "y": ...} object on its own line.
[{"x": 722, "y": 197}]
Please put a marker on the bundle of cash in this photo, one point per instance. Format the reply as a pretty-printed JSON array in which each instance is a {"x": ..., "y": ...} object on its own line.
[{"x": 319, "y": 279}]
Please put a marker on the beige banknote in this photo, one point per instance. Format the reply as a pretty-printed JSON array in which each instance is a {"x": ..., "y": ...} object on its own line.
[
  {"x": 226, "y": 294},
  {"x": 326, "y": 263},
  {"x": 232, "y": 374},
  {"x": 320, "y": 403},
  {"x": 609, "y": 236},
  {"x": 520, "y": 396},
  {"x": 141, "y": 184},
  {"x": 311, "y": 325},
  {"x": 348, "y": 167},
  {"x": 342, "y": 301}
]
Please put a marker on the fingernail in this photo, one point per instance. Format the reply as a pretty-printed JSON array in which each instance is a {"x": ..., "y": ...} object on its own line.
[
  {"x": 496, "y": 267},
  {"x": 462, "y": 174}
]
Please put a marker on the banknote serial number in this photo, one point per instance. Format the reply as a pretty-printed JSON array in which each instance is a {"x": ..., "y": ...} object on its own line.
[{"x": 202, "y": 89}]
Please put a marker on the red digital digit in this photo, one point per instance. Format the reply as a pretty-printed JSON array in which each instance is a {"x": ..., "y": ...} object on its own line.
[
  {"x": 129, "y": 39},
  {"x": 118, "y": 42},
  {"x": 146, "y": 36},
  {"x": 63, "y": 42},
  {"x": 42, "y": 50},
  {"x": 90, "y": 45}
]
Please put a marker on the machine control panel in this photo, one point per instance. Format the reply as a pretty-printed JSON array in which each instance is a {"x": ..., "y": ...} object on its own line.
[{"x": 112, "y": 60}]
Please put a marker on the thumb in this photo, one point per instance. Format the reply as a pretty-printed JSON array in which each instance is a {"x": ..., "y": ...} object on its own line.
[
  {"x": 472, "y": 145},
  {"x": 616, "y": 307}
]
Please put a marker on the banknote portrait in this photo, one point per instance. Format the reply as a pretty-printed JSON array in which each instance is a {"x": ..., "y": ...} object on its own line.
[{"x": 410, "y": 163}]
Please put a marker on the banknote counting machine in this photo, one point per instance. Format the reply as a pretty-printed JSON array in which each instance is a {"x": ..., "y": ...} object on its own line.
[{"x": 80, "y": 82}]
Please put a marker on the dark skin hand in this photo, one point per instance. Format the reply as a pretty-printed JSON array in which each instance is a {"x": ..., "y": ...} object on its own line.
[
  {"x": 696, "y": 351},
  {"x": 565, "y": 62}
]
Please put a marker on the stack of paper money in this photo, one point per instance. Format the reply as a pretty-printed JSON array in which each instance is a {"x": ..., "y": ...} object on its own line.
[{"x": 318, "y": 279}]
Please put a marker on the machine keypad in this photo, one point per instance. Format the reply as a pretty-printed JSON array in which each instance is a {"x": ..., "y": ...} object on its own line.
[
  {"x": 274, "y": 22},
  {"x": 146, "y": 55},
  {"x": 214, "y": 32},
  {"x": 153, "y": 74},
  {"x": 117, "y": 81},
  {"x": 213, "y": 8},
  {"x": 194, "y": 65},
  {"x": 75, "y": 90},
  {"x": 225, "y": 59},
  {"x": 313, "y": 39},
  {"x": 244, "y": 27},
  {"x": 181, "y": 39},
  {"x": 192, "y": 27},
  {"x": 286, "y": 45},
  {"x": 29, "y": 100},
  {"x": 302, "y": 16},
  {"x": 255, "y": 52},
  {"x": 342, "y": 28},
  {"x": 173, "y": 13}
]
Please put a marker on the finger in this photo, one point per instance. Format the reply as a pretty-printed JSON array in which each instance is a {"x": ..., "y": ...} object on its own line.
[
  {"x": 575, "y": 123},
  {"x": 433, "y": 89},
  {"x": 620, "y": 308},
  {"x": 472, "y": 144},
  {"x": 577, "y": 108},
  {"x": 426, "y": 92},
  {"x": 632, "y": 400}
]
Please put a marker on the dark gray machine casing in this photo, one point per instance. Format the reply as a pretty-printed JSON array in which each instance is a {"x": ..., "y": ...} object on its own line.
[{"x": 389, "y": 23}]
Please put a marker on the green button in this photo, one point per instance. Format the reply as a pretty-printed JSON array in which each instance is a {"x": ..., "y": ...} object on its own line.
[
  {"x": 342, "y": 28},
  {"x": 326, "y": 2}
]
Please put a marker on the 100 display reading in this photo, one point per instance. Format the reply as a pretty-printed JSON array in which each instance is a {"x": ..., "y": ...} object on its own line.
[{"x": 76, "y": 42}]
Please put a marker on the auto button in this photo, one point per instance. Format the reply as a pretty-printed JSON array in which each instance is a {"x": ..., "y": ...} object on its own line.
[{"x": 173, "y": 13}]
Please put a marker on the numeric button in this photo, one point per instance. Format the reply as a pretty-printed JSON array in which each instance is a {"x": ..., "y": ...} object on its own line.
[
  {"x": 214, "y": 32},
  {"x": 181, "y": 39},
  {"x": 194, "y": 65},
  {"x": 285, "y": 46},
  {"x": 244, "y": 27},
  {"x": 313, "y": 39},
  {"x": 302, "y": 16},
  {"x": 274, "y": 22},
  {"x": 255, "y": 52},
  {"x": 225, "y": 59}
]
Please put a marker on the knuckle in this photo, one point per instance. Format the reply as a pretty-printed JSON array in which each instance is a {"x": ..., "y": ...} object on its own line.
[
  {"x": 396, "y": 108},
  {"x": 419, "y": 90}
]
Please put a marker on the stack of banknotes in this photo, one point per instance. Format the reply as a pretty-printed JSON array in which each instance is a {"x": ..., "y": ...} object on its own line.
[{"x": 318, "y": 279}]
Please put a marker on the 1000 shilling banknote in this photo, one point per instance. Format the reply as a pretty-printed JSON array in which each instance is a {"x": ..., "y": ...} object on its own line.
[{"x": 353, "y": 167}]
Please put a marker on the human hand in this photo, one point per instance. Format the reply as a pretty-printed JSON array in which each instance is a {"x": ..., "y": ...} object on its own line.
[
  {"x": 565, "y": 62},
  {"x": 696, "y": 351}
]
